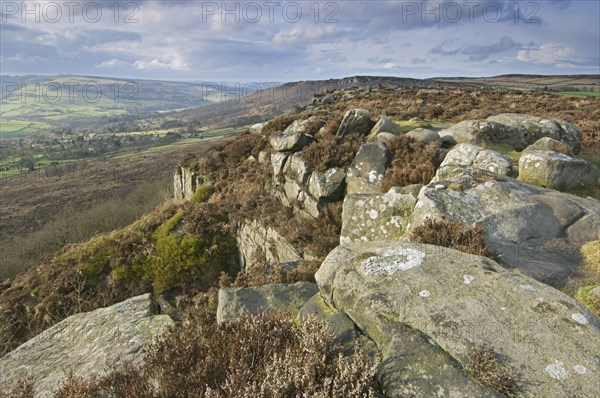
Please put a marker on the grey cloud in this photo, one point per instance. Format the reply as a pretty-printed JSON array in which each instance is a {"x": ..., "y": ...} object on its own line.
[{"x": 480, "y": 53}]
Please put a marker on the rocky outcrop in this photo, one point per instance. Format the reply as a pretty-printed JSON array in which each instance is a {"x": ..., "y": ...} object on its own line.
[
  {"x": 467, "y": 155},
  {"x": 235, "y": 302},
  {"x": 549, "y": 144},
  {"x": 536, "y": 230},
  {"x": 294, "y": 137},
  {"x": 185, "y": 183},
  {"x": 378, "y": 217},
  {"x": 368, "y": 169},
  {"x": 513, "y": 130},
  {"x": 556, "y": 171},
  {"x": 257, "y": 243},
  {"x": 429, "y": 308},
  {"x": 355, "y": 121},
  {"x": 533, "y": 128},
  {"x": 86, "y": 343}
]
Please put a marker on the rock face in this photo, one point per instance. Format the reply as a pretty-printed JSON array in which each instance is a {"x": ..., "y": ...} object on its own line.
[
  {"x": 556, "y": 171},
  {"x": 378, "y": 217},
  {"x": 257, "y": 243},
  {"x": 185, "y": 183},
  {"x": 467, "y": 155},
  {"x": 368, "y": 169},
  {"x": 533, "y": 229},
  {"x": 85, "y": 343},
  {"x": 428, "y": 307},
  {"x": 514, "y": 130},
  {"x": 533, "y": 128},
  {"x": 291, "y": 142},
  {"x": 355, "y": 121},
  {"x": 235, "y": 302},
  {"x": 327, "y": 186}
]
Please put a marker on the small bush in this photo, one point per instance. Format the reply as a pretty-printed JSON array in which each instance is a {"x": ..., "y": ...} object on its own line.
[
  {"x": 23, "y": 389},
  {"x": 277, "y": 125},
  {"x": 451, "y": 234},
  {"x": 483, "y": 365},
  {"x": 330, "y": 151},
  {"x": 589, "y": 300},
  {"x": 413, "y": 162},
  {"x": 203, "y": 193},
  {"x": 590, "y": 255},
  {"x": 267, "y": 355}
]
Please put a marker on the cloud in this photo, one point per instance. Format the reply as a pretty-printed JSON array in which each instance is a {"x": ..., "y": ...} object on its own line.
[
  {"x": 441, "y": 48},
  {"x": 161, "y": 65},
  {"x": 480, "y": 53},
  {"x": 547, "y": 53},
  {"x": 112, "y": 63}
]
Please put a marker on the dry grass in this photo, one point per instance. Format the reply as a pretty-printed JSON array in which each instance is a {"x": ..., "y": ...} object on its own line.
[
  {"x": 267, "y": 355},
  {"x": 452, "y": 234},
  {"x": 483, "y": 364},
  {"x": 413, "y": 162}
]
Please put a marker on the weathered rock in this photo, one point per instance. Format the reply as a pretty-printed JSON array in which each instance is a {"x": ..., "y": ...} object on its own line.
[
  {"x": 428, "y": 91},
  {"x": 257, "y": 128},
  {"x": 257, "y": 243},
  {"x": 310, "y": 205},
  {"x": 342, "y": 327},
  {"x": 297, "y": 169},
  {"x": 278, "y": 160},
  {"x": 402, "y": 295},
  {"x": 328, "y": 99},
  {"x": 556, "y": 171},
  {"x": 533, "y": 128},
  {"x": 368, "y": 168},
  {"x": 467, "y": 155},
  {"x": 533, "y": 229},
  {"x": 355, "y": 121},
  {"x": 378, "y": 217},
  {"x": 185, "y": 183},
  {"x": 423, "y": 134},
  {"x": 293, "y": 193},
  {"x": 384, "y": 137},
  {"x": 263, "y": 157},
  {"x": 384, "y": 125},
  {"x": 235, "y": 302},
  {"x": 484, "y": 132},
  {"x": 290, "y": 143},
  {"x": 549, "y": 144},
  {"x": 86, "y": 343},
  {"x": 328, "y": 185}
]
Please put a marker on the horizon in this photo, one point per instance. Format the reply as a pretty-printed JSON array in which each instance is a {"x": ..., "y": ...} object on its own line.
[{"x": 188, "y": 41}]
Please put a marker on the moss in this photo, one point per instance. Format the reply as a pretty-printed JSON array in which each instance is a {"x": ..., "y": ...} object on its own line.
[
  {"x": 589, "y": 300},
  {"x": 406, "y": 126},
  {"x": 203, "y": 193}
]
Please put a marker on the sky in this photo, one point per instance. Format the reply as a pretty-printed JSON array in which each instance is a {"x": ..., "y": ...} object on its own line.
[{"x": 261, "y": 41}]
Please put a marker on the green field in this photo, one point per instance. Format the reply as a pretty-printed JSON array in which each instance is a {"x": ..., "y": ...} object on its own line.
[
  {"x": 40, "y": 103},
  {"x": 581, "y": 93}
]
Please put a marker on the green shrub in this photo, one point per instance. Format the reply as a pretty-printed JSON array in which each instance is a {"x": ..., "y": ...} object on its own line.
[
  {"x": 182, "y": 259},
  {"x": 589, "y": 300},
  {"x": 203, "y": 192}
]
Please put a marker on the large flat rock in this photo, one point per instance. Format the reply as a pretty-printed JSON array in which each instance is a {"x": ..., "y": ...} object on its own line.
[
  {"x": 86, "y": 343},
  {"x": 460, "y": 302}
]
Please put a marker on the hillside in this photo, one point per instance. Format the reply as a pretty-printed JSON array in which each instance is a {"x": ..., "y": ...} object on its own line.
[
  {"x": 33, "y": 104},
  {"x": 389, "y": 241}
]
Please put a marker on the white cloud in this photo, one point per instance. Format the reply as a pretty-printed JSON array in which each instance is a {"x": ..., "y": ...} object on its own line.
[
  {"x": 112, "y": 63},
  {"x": 175, "y": 64},
  {"x": 547, "y": 53}
]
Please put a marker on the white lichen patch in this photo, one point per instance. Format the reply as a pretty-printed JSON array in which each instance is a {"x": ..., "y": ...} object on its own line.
[
  {"x": 557, "y": 371},
  {"x": 580, "y": 369},
  {"x": 580, "y": 318},
  {"x": 373, "y": 214},
  {"x": 468, "y": 279},
  {"x": 424, "y": 293},
  {"x": 392, "y": 260},
  {"x": 372, "y": 176}
]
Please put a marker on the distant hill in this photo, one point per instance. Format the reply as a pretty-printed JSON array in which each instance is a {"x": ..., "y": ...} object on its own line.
[
  {"x": 265, "y": 104},
  {"x": 34, "y": 103}
]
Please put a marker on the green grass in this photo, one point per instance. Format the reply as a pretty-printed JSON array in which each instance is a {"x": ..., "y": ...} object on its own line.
[
  {"x": 406, "y": 126},
  {"x": 580, "y": 93}
]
